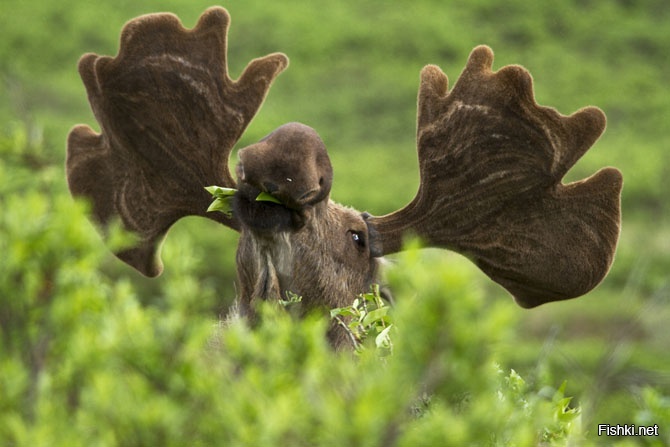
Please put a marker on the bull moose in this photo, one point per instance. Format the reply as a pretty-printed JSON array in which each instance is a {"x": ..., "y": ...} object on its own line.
[{"x": 491, "y": 162}]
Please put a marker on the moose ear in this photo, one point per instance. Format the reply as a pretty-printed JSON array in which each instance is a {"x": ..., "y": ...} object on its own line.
[
  {"x": 170, "y": 116},
  {"x": 374, "y": 239},
  {"x": 491, "y": 162}
]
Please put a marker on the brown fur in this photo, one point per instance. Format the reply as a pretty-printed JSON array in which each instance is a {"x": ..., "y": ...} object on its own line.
[
  {"x": 491, "y": 163},
  {"x": 321, "y": 262}
]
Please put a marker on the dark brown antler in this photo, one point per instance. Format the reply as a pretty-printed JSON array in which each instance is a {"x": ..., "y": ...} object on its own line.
[
  {"x": 491, "y": 162},
  {"x": 169, "y": 116}
]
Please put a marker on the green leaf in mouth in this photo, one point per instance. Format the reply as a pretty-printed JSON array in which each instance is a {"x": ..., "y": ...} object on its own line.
[
  {"x": 266, "y": 197},
  {"x": 220, "y": 192},
  {"x": 222, "y": 197}
]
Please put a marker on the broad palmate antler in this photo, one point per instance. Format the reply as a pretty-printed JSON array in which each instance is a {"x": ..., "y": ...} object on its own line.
[
  {"x": 491, "y": 162},
  {"x": 170, "y": 116}
]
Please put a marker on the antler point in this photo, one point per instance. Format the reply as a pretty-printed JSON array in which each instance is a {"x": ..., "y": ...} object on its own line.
[
  {"x": 213, "y": 17},
  {"x": 433, "y": 77},
  {"x": 481, "y": 58}
]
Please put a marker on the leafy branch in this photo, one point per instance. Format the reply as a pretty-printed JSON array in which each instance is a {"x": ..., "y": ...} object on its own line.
[{"x": 368, "y": 316}]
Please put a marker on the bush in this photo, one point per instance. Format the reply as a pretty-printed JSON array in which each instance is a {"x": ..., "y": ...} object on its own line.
[
  {"x": 85, "y": 363},
  {"x": 87, "y": 360}
]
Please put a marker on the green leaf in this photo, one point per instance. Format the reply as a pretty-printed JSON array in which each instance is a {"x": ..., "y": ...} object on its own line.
[
  {"x": 375, "y": 315},
  {"x": 220, "y": 192},
  {"x": 221, "y": 205},
  {"x": 383, "y": 340},
  {"x": 265, "y": 197},
  {"x": 222, "y": 197},
  {"x": 342, "y": 312}
]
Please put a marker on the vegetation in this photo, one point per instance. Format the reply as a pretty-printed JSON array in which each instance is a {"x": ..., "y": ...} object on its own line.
[{"x": 93, "y": 354}]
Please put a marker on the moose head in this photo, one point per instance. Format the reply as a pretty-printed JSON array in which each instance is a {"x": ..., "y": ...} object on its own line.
[{"x": 491, "y": 162}]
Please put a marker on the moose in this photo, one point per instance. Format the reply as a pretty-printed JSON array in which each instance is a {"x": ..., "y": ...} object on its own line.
[{"x": 491, "y": 162}]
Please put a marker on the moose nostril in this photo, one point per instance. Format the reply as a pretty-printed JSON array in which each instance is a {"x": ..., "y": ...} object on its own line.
[
  {"x": 309, "y": 195},
  {"x": 270, "y": 187}
]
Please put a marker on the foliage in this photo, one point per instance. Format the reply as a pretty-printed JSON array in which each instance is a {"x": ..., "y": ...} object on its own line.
[
  {"x": 368, "y": 316},
  {"x": 85, "y": 363},
  {"x": 655, "y": 411},
  {"x": 222, "y": 199}
]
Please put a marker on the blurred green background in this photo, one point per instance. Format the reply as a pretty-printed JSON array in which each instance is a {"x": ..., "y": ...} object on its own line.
[{"x": 353, "y": 76}]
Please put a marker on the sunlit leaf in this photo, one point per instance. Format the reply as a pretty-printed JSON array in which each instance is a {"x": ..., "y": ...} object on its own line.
[
  {"x": 221, "y": 205},
  {"x": 266, "y": 197},
  {"x": 221, "y": 192},
  {"x": 375, "y": 316},
  {"x": 222, "y": 198}
]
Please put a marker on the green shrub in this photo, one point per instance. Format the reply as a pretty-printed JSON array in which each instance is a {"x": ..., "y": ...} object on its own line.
[
  {"x": 87, "y": 359},
  {"x": 85, "y": 363}
]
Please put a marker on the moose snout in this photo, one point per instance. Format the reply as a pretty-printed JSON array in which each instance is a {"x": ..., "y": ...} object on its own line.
[
  {"x": 291, "y": 164},
  {"x": 292, "y": 193}
]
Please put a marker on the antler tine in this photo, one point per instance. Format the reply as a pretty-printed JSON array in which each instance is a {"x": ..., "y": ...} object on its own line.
[
  {"x": 491, "y": 162},
  {"x": 169, "y": 116}
]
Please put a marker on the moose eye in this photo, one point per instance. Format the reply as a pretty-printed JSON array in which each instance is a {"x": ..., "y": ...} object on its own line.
[{"x": 358, "y": 238}]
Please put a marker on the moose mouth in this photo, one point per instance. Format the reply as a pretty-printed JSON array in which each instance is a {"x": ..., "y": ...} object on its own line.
[{"x": 266, "y": 215}]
